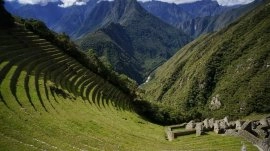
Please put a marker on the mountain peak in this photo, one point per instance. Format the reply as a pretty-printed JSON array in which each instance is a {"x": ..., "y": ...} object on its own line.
[{"x": 123, "y": 9}]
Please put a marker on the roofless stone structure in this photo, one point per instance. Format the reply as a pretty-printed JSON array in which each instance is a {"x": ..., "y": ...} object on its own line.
[{"x": 256, "y": 132}]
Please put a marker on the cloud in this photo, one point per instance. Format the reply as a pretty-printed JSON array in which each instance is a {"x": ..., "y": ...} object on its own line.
[
  {"x": 173, "y": 1},
  {"x": 63, "y": 3},
  {"x": 68, "y": 3},
  {"x": 233, "y": 2},
  {"x": 221, "y": 2},
  {"x": 33, "y": 2},
  {"x": 104, "y": 0}
]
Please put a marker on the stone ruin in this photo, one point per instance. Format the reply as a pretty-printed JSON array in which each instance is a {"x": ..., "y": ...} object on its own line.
[
  {"x": 257, "y": 132},
  {"x": 199, "y": 129}
]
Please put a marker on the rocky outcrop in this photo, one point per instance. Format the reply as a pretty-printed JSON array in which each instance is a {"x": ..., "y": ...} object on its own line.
[{"x": 215, "y": 103}]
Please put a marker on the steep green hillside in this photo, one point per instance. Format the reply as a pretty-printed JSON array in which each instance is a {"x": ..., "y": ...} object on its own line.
[
  {"x": 134, "y": 41},
  {"x": 51, "y": 101},
  {"x": 225, "y": 73},
  {"x": 111, "y": 45}
]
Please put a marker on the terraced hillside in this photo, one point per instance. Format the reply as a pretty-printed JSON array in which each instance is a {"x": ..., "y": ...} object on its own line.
[{"x": 48, "y": 101}]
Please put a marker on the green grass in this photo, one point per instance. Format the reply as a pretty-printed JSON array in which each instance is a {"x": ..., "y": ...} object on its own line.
[
  {"x": 102, "y": 128},
  {"x": 256, "y": 116},
  {"x": 100, "y": 117}
]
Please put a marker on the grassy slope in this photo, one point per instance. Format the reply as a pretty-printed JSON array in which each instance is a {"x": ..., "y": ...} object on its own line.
[
  {"x": 233, "y": 63},
  {"x": 48, "y": 101}
]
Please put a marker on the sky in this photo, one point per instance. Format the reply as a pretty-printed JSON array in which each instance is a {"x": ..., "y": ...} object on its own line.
[
  {"x": 68, "y": 3},
  {"x": 221, "y": 2}
]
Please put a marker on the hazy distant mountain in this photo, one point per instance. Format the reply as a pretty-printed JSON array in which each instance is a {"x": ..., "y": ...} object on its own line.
[
  {"x": 199, "y": 17},
  {"x": 132, "y": 40},
  {"x": 177, "y": 14},
  {"x": 200, "y": 25},
  {"x": 49, "y": 14},
  {"x": 68, "y": 20},
  {"x": 74, "y": 18},
  {"x": 193, "y": 18},
  {"x": 168, "y": 12},
  {"x": 205, "y": 8}
]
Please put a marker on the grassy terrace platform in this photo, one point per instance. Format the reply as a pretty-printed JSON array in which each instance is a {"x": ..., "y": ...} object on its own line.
[{"x": 48, "y": 101}]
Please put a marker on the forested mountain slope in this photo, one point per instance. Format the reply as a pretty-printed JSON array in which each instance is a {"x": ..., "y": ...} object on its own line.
[
  {"x": 134, "y": 41},
  {"x": 225, "y": 73}
]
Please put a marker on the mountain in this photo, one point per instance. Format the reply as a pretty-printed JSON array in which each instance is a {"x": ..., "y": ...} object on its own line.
[
  {"x": 74, "y": 18},
  {"x": 193, "y": 18},
  {"x": 122, "y": 33},
  {"x": 132, "y": 40},
  {"x": 50, "y": 13},
  {"x": 68, "y": 20},
  {"x": 177, "y": 13},
  {"x": 171, "y": 13},
  {"x": 52, "y": 99},
  {"x": 39, "y": 110},
  {"x": 198, "y": 17},
  {"x": 205, "y": 8},
  {"x": 78, "y": 20},
  {"x": 221, "y": 74},
  {"x": 200, "y": 25}
]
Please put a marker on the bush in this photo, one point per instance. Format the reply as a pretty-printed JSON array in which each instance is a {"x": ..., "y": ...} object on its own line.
[{"x": 158, "y": 113}]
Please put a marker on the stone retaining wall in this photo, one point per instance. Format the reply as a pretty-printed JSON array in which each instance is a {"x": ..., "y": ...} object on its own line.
[{"x": 256, "y": 132}]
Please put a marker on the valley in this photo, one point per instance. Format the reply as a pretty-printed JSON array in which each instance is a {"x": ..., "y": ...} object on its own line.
[
  {"x": 73, "y": 81},
  {"x": 49, "y": 101},
  {"x": 131, "y": 37}
]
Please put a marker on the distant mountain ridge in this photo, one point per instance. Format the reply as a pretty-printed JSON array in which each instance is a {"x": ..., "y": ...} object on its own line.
[
  {"x": 122, "y": 33},
  {"x": 78, "y": 20},
  {"x": 134, "y": 41},
  {"x": 69, "y": 20},
  {"x": 200, "y": 25},
  {"x": 198, "y": 17},
  {"x": 125, "y": 35}
]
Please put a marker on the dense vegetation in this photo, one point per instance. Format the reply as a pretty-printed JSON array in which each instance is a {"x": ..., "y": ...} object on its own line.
[{"x": 221, "y": 74}]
